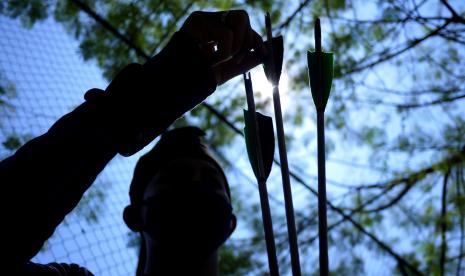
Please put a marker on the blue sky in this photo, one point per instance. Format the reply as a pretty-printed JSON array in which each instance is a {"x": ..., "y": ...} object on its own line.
[{"x": 51, "y": 78}]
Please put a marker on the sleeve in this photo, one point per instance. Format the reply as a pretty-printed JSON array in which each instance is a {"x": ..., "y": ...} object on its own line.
[
  {"x": 160, "y": 91},
  {"x": 53, "y": 269},
  {"x": 45, "y": 179}
]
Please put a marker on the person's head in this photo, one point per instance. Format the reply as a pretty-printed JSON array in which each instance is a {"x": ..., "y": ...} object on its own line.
[{"x": 180, "y": 203}]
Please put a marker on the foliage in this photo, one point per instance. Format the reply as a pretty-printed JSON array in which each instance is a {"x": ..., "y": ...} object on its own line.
[
  {"x": 7, "y": 92},
  {"x": 12, "y": 143},
  {"x": 236, "y": 261},
  {"x": 91, "y": 205},
  {"x": 396, "y": 110}
]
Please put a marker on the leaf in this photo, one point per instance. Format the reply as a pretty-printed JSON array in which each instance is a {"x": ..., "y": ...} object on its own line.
[
  {"x": 374, "y": 136},
  {"x": 28, "y": 11},
  {"x": 378, "y": 32},
  {"x": 12, "y": 143}
]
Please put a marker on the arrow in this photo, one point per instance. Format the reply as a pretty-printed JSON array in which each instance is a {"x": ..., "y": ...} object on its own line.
[
  {"x": 259, "y": 138},
  {"x": 320, "y": 66},
  {"x": 272, "y": 67}
]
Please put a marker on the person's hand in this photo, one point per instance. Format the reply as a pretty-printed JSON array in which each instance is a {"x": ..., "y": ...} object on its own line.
[
  {"x": 208, "y": 50},
  {"x": 227, "y": 40}
]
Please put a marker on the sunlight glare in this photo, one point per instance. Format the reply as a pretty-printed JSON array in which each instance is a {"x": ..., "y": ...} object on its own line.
[{"x": 263, "y": 88}]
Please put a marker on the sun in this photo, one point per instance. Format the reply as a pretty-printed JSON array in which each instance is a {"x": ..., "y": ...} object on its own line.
[{"x": 263, "y": 88}]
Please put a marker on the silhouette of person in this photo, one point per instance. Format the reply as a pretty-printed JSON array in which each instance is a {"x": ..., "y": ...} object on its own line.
[
  {"x": 45, "y": 179},
  {"x": 180, "y": 204}
]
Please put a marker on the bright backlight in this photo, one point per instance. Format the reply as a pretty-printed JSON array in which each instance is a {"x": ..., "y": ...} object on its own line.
[{"x": 263, "y": 88}]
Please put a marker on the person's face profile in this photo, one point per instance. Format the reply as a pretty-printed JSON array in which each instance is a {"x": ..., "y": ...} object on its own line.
[
  {"x": 186, "y": 174},
  {"x": 186, "y": 203}
]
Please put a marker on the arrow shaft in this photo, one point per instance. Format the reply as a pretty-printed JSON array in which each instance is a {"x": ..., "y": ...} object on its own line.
[
  {"x": 269, "y": 37},
  {"x": 318, "y": 67},
  {"x": 251, "y": 107},
  {"x": 268, "y": 227},
  {"x": 320, "y": 98},
  {"x": 322, "y": 221},
  {"x": 262, "y": 189},
  {"x": 289, "y": 206},
  {"x": 317, "y": 36},
  {"x": 291, "y": 230}
]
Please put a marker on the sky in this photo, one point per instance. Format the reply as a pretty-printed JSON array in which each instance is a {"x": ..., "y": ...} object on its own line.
[{"x": 51, "y": 78}]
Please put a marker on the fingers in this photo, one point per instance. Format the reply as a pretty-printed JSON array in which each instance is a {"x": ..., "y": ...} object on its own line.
[
  {"x": 230, "y": 30},
  {"x": 258, "y": 45},
  {"x": 228, "y": 70},
  {"x": 238, "y": 21},
  {"x": 224, "y": 39},
  {"x": 234, "y": 46},
  {"x": 242, "y": 62}
]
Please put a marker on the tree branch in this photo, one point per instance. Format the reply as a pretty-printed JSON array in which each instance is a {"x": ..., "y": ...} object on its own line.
[
  {"x": 359, "y": 227},
  {"x": 173, "y": 24},
  {"x": 435, "y": 102},
  {"x": 442, "y": 258},
  {"x": 453, "y": 38},
  {"x": 288, "y": 20},
  {"x": 411, "y": 92},
  {"x": 452, "y": 161},
  {"x": 388, "y": 21},
  {"x": 387, "y": 56},
  {"x": 458, "y": 184},
  {"x": 413, "y": 178},
  {"x": 293, "y": 175},
  {"x": 455, "y": 16},
  {"x": 110, "y": 28},
  {"x": 393, "y": 201}
]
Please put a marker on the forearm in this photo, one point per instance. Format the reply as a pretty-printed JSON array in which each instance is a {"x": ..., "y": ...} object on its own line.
[
  {"x": 45, "y": 179},
  {"x": 162, "y": 90}
]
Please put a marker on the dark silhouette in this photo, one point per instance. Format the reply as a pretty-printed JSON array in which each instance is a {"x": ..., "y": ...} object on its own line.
[
  {"x": 45, "y": 179},
  {"x": 180, "y": 203}
]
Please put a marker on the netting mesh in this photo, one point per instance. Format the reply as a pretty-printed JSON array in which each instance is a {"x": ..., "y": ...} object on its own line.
[{"x": 47, "y": 78}]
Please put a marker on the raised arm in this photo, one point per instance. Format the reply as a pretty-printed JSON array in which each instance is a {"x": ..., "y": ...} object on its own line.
[{"x": 45, "y": 179}]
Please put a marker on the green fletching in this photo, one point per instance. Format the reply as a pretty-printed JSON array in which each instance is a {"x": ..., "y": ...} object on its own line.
[
  {"x": 250, "y": 142},
  {"x": 320, "y": 96},
  {"x": 278, "y": 51},
  {"x": 266, "y": 136}
]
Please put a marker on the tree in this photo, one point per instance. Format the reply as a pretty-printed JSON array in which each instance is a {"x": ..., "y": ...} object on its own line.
[
  {"x": 395, "y": 119},
  {"x": 10, "y": 141}
]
